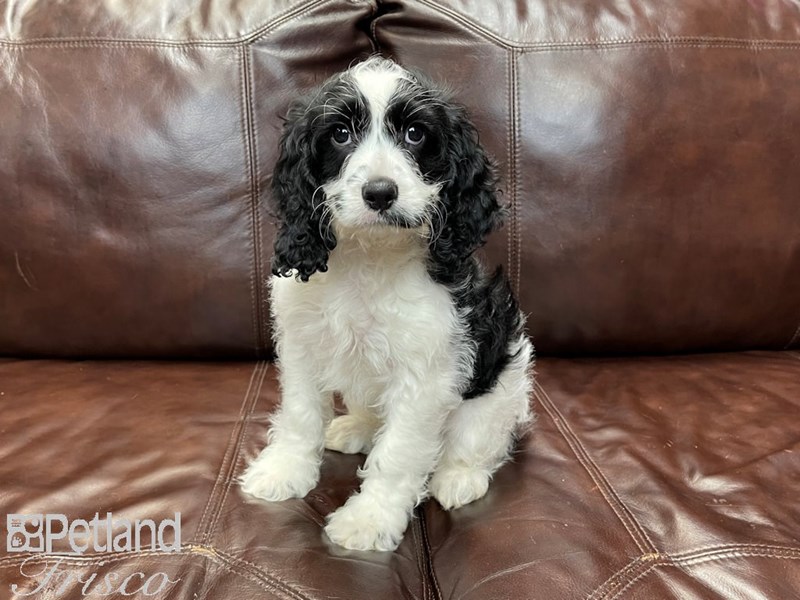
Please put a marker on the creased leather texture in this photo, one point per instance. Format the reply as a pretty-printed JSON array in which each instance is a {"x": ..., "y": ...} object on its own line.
[
  {"x": 654, "y": 478},
  {"x": 680, "y": 473},
  {"x": 146, "y": 440}
]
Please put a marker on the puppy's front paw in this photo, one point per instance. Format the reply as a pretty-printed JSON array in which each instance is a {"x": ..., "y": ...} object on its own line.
[
  {"x": 278, "y": 475},
  {"x": 364, "y": 525},
  {"x": 454, "y": 487},
  {"x": 351, "y": 434}
]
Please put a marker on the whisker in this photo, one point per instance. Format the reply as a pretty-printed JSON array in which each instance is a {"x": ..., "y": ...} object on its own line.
[{"x": 441, "y": 216}]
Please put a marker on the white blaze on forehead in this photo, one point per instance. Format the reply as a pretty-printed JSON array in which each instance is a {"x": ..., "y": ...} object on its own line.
[
  {"x": 378, "y": 154},
  {"x": 378, "y": 79}
]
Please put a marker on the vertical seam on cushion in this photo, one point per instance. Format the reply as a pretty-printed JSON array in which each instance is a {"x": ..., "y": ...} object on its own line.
[
  {"x": 256, "y": 174},
  {"x": 513, "y": 168},
  {"x": 260, "y": 281},
  {"x": 432, "y": 573},
  {"x": 233, "y": 465},
  {"x": 254, "y": 192},
  {"x": 429, "y": 574},
  {"x": 632, "y": 526},
  {"x": 510, "y": 155},
  {"x": 245, "y": 140},
  {"x": 202, "y": 526},
  {"x": 795, "y": 337},
  {"x": 373, "y": 33},
  {"x": 517, "y": 219},
  {"x": 420, "y": 552}
]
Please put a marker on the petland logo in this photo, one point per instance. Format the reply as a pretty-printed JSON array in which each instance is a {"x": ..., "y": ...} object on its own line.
[{"x": 37, "y": 533}]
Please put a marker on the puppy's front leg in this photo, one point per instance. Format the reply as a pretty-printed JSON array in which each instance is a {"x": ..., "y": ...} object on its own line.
[
  {"x": 397, "y": 468},
  {"x": 289, "y": 466}
]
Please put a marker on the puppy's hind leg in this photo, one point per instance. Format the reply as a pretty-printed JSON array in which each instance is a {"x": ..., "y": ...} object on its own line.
[
  {"x": 352, "y": 433},
  {"x": 480, "y": 435}
]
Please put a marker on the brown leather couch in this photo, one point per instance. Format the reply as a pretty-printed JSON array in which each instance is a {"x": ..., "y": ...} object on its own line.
[{"x": 650, "y": 155}]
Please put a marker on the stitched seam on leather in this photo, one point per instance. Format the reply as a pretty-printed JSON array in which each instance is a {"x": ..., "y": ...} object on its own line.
[
  {"x": 744, "y": 553},
  {"x": 236, "y": 458},
  {"x": 515, "y": 189},
  {"x": 301, "y": 9},
  {"x": 633, "y": 581},
  {"x": 598, "y": 45},
  {"x": 418, "y": 550},
  {"x": 513, "y": 163},
  {"x": 259, "y": 573},
  {"x": 670, "y": 563},
  {"x": 207, "y": 521},
  {"x": 613, "y": 582},
  {"x": 247, "y": 139},
  {"x": 509, "y": 152},
  {"x": 262, "y": 305},
  {"x": 623, "y": 506},
  {"x": 251, "y": 150},
  {"x": 659, "y": 45},
  {"x": 269, "y": 26},
  {"x": 229, "y": 563},
  {"x": 632, "y": 526},
  {"x": 701, "y": 554},
  {"x": 202, "y": 527},
  {"x": 259, "y": 34},
  {"x": 795, "y": 337},
  {"x": 430, "y": 573},
  {"x": 647, "y": 562},
  {"x": 373, "y": 34},
  {"x": 504, "y": 42},
  {"x": 429, "y": 554}
]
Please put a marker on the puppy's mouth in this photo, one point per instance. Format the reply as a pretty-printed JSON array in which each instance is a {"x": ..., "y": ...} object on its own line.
[
  {"x": 389, "y": 218},
  {"x": 368, "y": 218}
]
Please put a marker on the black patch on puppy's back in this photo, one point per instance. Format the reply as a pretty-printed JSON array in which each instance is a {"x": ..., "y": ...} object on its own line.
[{"x": 493, "y": 322}]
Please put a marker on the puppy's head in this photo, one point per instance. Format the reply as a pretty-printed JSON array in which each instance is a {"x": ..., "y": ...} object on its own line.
[{"x": 380, "y": 147}]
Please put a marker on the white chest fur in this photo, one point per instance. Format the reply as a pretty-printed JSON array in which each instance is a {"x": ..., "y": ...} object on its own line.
[{"x": 374, "y": 315}]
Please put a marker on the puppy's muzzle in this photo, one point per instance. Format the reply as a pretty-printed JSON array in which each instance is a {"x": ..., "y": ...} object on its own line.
[{"x": 379, "y": 194}]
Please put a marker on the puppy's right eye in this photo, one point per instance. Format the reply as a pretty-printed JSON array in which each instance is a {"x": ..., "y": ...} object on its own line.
[{"x": 341, "y": 136}]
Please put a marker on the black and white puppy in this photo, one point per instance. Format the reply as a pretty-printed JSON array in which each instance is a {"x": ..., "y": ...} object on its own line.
[{"x": 383, "y": 194}]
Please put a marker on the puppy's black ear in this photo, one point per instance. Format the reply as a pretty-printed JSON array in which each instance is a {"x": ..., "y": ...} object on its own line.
[
  {"x": 469, "y": 197},
  {"x": 305, "y": 237}
]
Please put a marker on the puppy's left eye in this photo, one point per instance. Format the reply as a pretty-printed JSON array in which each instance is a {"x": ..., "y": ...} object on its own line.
[
  {"x": 341, "y": 136},
  {"x": 415, "y": 135}
]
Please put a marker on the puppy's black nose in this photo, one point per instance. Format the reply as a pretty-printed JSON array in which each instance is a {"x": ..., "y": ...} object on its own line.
[{"x": 380, "y": 193}]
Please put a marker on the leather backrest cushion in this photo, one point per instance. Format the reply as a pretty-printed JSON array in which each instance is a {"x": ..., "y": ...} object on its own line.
[
  {"x": 649, "y": 155},
  {"x": 135, "y": 139}
]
